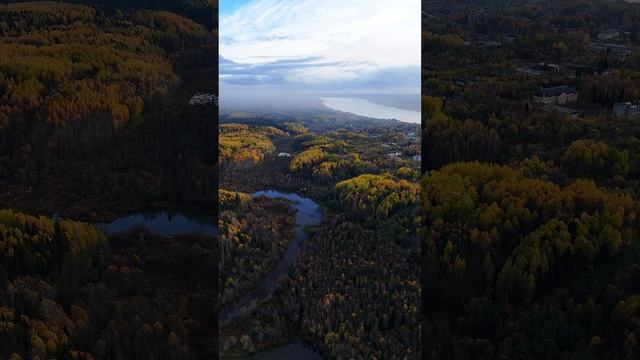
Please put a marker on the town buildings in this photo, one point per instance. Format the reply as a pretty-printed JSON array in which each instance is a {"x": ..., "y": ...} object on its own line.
[
  {"x": 627, "y": 110},
  {"x": 557, "y": 95}
]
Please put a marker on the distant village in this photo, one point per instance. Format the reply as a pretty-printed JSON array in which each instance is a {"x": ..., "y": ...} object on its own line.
[
  {"x": 399, "y": 150},
  {"x": 563, "y": 98},
  {"x": 399, "y": 145}
]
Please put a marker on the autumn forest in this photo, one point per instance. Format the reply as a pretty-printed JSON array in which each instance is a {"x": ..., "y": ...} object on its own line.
[
  {"x": 95, "y": 125},
  {"x": 530, "y": 199},
  {"x": 138, "y": 220}
]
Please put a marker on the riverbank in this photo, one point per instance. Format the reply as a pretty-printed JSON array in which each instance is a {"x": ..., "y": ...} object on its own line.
[{"x": 308, "y": 214}]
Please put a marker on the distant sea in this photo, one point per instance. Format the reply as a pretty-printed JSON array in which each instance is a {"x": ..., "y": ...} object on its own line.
[{"x": 367, "y": 108}]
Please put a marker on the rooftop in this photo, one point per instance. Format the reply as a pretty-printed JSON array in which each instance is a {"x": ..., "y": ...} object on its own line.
[
  {"x": 630, "y": 104},
  {"x": 555, "y": 91}
]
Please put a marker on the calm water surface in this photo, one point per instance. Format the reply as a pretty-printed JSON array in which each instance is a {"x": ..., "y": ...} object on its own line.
[
  {"x": 307, "y": 214},
  {"x": 169, "y": 224},
  {"x": 366, "y": 108},
  {"x": 162, "y": 223}
]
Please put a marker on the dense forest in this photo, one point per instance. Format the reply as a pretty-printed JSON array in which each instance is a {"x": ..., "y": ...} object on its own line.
[
  {"x": 241, "y": 146},
  {"x": 340, "y": 297},
  {"x": 526, "y": 266},
  {"x": 95, "y": 106},
  {"x": 202, "y": 11},
  {"x": 252, "y": 236},
  {"x": 69, "y": 292},
  {"x": 530, "y": 216},
  {"x": 96, "y": 123}
]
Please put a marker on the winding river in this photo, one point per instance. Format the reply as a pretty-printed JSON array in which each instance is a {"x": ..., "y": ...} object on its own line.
[
  {"x": 168, "y": 224},
  {"x": 307, "y": 214}
]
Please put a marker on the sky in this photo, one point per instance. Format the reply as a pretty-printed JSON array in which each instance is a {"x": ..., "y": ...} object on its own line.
[
  {"x": 319, "y": 46},
  {"x": 228, "y": 6}
]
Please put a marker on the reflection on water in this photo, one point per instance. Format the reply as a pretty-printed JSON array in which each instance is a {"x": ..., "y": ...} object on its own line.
[
  {"x": 307, "y": 214},
  {"x": 366, "y": 108},
  {"x": 162, "y": 223}
]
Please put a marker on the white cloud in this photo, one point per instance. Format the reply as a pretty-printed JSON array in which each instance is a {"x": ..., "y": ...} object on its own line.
[{"x": 346, "y": 39}]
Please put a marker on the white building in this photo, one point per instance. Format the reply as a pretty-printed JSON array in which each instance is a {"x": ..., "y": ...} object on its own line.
[
  {"x": 284, "y": 154},
  {"x": 395, "y": 154},
  {"x": 608, "y": 35},
  {"x": 203, "y": 99},
  {"x": 554, "y": 68},
  {"x": 558, "y": 95},
  {"x": 627, "y": 110},
  {"x": 417, "y": 158}
]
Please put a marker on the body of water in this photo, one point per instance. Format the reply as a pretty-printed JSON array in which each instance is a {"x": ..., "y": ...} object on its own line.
[
  {"x": 307, "y": 214},
  {"x": 162, "y": 223},
  {"x": 367, "y": 108},
  {"x": 168, "y": 224}
]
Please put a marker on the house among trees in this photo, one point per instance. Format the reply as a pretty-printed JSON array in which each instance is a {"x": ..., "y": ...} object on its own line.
[
  {"x": 417, "y": 158},
  {"x": 621, "y": 51},
  {"x": 554, "y": 68},
  {"x": 465, "y": 81},
  {"x": 627, "y": 110},
  {"x": 610, "y": 34},
  {"x": 284, "y": 154},
  {"x": 203, "y": 99},
  {"x": 557, "y": 95}
]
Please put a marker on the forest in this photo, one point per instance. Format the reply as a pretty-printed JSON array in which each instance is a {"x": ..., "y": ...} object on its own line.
[
  {"x": 252, "y": 236},
  {"x": 68, "y": 291},
  {"x": 90, "y": 105},
  {"x": 529, "y": 217},
  {"x": 95, "y": 124},
  {"x": 241, "y": 146},
  {"x": 201, "y": 11},
  {"x": 340, "y": 297}
]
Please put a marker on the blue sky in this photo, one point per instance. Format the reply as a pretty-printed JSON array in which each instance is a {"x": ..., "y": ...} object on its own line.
[
  {"x": 368, "y": 46},
  {"x": 228, "y": 6}
]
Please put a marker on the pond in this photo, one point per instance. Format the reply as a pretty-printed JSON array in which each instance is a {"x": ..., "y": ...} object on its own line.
[
  {"x": 162, "y": 223},
  {"x": 170, "y": 224}
]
